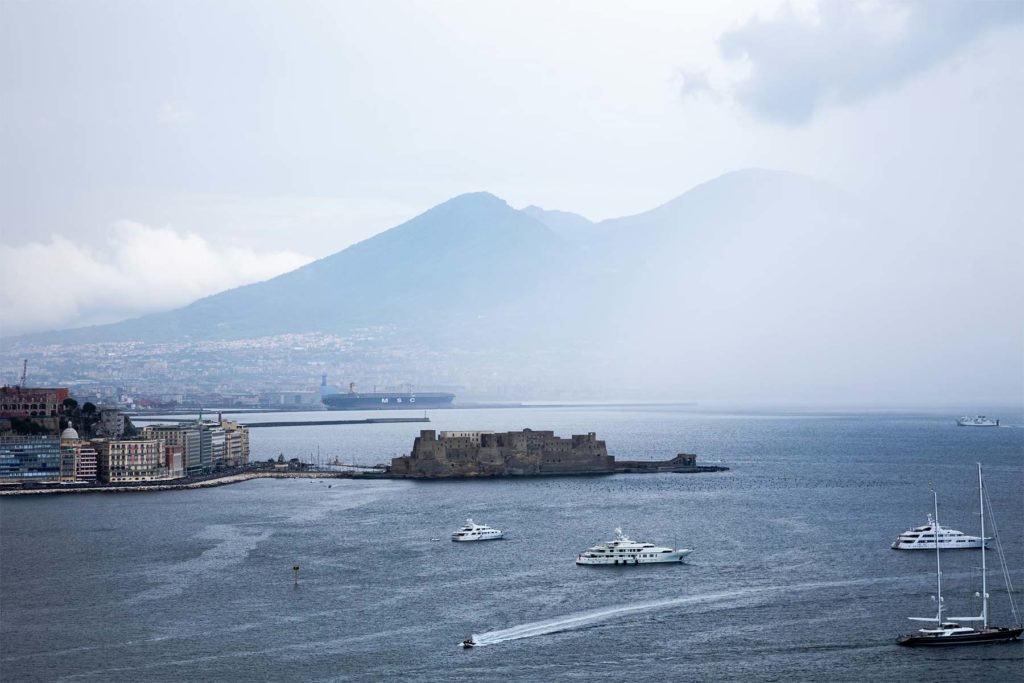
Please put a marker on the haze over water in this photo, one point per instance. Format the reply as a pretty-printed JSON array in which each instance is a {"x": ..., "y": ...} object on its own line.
[{"x": 792, "y": 577}]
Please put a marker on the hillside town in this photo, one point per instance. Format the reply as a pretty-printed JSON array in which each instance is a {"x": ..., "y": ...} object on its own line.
[{"x": 48, "y": 439}]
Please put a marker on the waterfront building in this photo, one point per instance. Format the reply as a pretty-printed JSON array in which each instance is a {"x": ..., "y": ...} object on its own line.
[
  {"x": 134, "y": 460},
  {"x": 236, "y": 443},
  {"x": 185, "y": 435},
  {"x": 78, "y": 459},
  {"x": 212, "y": 442},
  {"x": 29, "y": 459}
]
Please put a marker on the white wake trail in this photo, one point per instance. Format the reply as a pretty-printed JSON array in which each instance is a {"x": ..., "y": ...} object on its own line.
[{"x": 582, "y": 619}]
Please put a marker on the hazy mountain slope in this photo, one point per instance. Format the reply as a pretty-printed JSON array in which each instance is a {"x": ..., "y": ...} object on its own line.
[
  {"x": 469, "y": 252},
  {"x": 570, "y": 226}
]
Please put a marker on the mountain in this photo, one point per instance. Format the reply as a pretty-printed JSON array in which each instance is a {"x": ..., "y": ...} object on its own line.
[
  {"x": 757, "y": 285},
  {"x": 472, "y": 252},
  {"x": 570, "y": 226}
]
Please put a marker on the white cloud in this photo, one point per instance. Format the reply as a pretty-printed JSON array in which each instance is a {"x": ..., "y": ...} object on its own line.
[
  {"x": 175, "y": 114},
  {"x": 137, "y": 269}
]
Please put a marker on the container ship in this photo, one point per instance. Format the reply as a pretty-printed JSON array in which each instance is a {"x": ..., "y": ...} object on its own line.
[{"x": 382, "y": 400}]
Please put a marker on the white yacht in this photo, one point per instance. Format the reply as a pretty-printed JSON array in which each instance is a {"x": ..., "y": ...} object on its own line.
[
  {"x": 923, "y": 538},
  {"x": 471, "y": 531},
  {"x": 977, "y": 421},
  {"x": 621, "y": 550}
]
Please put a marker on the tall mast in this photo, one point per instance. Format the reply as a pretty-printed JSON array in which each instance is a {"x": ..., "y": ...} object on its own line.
[
  {"x": 984, "y": 578},
  {"x": 938, "y": 562}
]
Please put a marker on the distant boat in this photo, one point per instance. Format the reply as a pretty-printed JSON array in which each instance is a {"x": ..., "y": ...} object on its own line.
[
  {"x": 948, "y": 630},
  {"x": 386, "y": 400},
  {"x": 977, "y": 421},
  {"x": 623, "y": 551}
]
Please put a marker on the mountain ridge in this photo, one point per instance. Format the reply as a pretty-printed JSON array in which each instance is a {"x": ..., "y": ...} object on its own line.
[{"x": 471, "y": 253}]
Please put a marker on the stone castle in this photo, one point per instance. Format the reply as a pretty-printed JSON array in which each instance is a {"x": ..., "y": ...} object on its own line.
[{"x": 524, "y": 453}]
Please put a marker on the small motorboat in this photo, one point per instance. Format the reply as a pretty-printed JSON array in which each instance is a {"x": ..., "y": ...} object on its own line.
[{"x": 468, "y": 643}]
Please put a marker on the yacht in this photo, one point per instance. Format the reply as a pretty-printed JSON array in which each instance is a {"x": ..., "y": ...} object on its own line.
[
  {"x": 623, "y": 551},
  {"x": 948, "y": 630},
  {"x": 923, "y": 538},
  {"x": 471, "y": 531},
  {"x": 978, "y": 421}
]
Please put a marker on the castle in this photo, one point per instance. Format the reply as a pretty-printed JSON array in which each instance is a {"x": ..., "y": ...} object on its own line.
[{"x": 524, "y": 453}]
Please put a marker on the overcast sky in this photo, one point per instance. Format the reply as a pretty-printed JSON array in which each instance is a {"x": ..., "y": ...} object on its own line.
[{"x": 155, "y": 152}]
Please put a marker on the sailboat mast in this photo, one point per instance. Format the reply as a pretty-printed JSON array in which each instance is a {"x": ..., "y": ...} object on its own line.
[
  {"x": 938, "y": 562},
  {"x": 984, "y": 573}
]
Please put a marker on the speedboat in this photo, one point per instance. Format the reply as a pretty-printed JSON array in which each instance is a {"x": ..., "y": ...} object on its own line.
[
  {"x": 924, "y": 538},
  {"x": 468, "y": 643},
  {"x": 471, "y": 531},
  {"x": 623, "y": 551}
]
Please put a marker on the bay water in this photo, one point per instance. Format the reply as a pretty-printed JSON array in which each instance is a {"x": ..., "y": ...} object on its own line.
[{"x": 792, "y": 577}]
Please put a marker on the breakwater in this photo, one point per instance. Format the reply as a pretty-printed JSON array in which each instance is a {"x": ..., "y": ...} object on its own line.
[{"x": 311, "y": 423}]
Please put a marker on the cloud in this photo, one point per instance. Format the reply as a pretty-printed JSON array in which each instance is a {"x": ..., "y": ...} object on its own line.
[
  {"x": 848, "y": 51},
  {"x": 693, "y": 83},
  {"x": 136, "y": 270},
  {"x": 175, "y": 114}
]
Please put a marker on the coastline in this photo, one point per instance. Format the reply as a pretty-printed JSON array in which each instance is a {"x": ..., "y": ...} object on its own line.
[{"x": 248, "y": 476}]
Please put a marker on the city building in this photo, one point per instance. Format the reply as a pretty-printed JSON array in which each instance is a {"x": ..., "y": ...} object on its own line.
[
  {"x": 78, "y": 459},
  {"x": 236, "y": 443},
  {"x": 136, "y": 460},
  {"x": 112, "y": 423},
  {"x": 41, "y": 406},
  {"x": 212, "y": 443},
  {"x": 31, "y": 402},
  {"x": 30, "y": 459},
  {"x": 184, "y": 435}
]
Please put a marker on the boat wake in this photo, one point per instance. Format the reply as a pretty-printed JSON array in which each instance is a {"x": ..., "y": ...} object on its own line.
[
  {"x": 571, "y": 622},
  {"x": 579, "y": 620}
]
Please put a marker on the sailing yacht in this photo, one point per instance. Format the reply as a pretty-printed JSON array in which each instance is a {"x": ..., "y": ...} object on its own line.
[{"x": 948, "y": 630}]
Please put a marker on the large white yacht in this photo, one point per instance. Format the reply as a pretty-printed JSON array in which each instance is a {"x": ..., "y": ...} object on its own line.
[
  {"x": 923, "y": 538},
  {"x": 621, "y": 550},
  {"x": 471, "y": 531}
]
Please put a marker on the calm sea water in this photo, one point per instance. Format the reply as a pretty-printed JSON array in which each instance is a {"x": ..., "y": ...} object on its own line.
[{"x": 792, "y": 578}]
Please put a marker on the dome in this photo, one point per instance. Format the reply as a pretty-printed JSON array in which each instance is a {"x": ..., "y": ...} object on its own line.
[{"x": 69, "y": 433}]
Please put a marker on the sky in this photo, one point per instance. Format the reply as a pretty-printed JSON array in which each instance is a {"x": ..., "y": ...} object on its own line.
[{"x": 153, "y": 153}]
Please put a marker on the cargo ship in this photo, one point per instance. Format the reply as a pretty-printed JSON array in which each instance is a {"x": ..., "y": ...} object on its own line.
[{"x": 383, "y": 400}]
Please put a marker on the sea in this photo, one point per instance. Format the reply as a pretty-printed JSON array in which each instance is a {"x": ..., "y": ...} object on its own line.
[{"x": 791, "y": 578}]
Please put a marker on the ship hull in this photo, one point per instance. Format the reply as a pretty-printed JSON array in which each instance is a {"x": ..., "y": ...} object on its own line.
[
  {"x": 674, "y": 558},
  {"x": 991, "y": 635},
  {"x": 388, "y": 401}
]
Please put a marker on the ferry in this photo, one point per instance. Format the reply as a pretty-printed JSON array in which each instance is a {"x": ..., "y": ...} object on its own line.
[
  {"x": 977, "y": 421},
  {"x": 623, "y": 551},
  {"x": 471, "y": 531},
  {"x": 924, "y": 538}
]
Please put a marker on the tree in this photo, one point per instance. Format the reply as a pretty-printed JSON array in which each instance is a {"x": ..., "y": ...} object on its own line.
[
  {"x": 70, "y": 405},
  {"x": 89, "y": 408}
]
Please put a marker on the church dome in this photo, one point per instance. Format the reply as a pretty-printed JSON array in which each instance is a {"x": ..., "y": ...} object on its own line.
[{"x": 69, "y": 433}]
